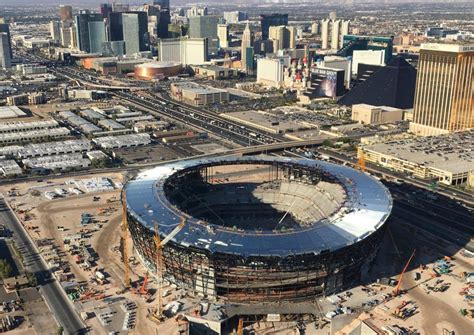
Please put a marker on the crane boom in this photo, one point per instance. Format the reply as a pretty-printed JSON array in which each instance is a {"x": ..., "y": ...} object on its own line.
[
  {"x": 159, "y": 244},
  {"x": 173, "y": 233},
  {"x": 361, "y": 161},
  {"x": 396, "y": 291}
]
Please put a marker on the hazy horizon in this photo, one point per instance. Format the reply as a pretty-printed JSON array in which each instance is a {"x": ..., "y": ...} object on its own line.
[{"x": 9, "y": 3}]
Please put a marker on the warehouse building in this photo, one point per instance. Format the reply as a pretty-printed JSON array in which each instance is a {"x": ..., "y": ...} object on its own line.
[
  {"x": 12, "y": 127},
  {"x": 10, "y": 112},
  {"x": 446, "y": 159},
  {"x": 54, "y": 148},
  {"x": 198, "y": 95},
  {"x": 123, "y": 141},
  {"x": 10, "y": 168},
  {"x": 92, "y": 114},
  {"x": 33, "y": 135},
  {"x": 79, "y": 123},
  {"x": 110, "y": 124},
  {"x": 56, "y": 162}
]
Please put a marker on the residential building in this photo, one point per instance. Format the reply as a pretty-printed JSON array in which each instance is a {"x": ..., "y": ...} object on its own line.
[
  {"x": 115, "y": 26},
  {"x": 205, "y": 27},
  {"x": 345, "y": 27},
  {"x": 5, "y": 51},
  {"x": 97, "y": 36},
  {"x": 105, "y": 9},
  {"x": 55, "y": 31},
  {"x": 267, "y": 21},
  {"x": 83, "y": 20},
  {"x": 235, "y": 17},
  {"x": 5, "y": 28},
  {"x": 336, "y": 29},
  {"x": 196, "y": 11},
  {"x": 324, "y": 34},
  {"x": 223, "y": 35},
  {"x": 135, "y": 32}
]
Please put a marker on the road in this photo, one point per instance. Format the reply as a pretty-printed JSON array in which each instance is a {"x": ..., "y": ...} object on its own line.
[{"x": 49, "y": 287}]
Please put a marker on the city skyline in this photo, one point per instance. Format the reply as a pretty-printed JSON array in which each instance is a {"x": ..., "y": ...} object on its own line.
[{"x": 231, "y": 168}]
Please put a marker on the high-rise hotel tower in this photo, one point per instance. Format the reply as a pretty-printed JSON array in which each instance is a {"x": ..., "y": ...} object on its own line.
[{"x": 444, "y": 96}]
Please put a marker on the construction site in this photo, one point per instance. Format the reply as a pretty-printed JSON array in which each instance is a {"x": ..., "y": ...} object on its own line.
[
  {"x": 252, "y": 229},
  {"x": 239, "y": 245}
]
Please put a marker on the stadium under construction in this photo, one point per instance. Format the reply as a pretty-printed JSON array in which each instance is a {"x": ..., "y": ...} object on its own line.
[{"x": 258, "y": 228}]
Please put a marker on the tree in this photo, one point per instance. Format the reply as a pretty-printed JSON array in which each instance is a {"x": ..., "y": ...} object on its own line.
[
  {"x": 5, "y": 269},
  {"x": 327, "y": 143}
]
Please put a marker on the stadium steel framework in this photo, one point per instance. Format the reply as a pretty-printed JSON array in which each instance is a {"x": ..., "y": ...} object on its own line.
[{"x": 217, "y": 257}]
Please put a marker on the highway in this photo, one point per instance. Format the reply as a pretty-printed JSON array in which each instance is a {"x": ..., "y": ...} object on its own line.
[
  {"x": 50, "y": 289},
  {"x": 377, "y": 170},
  {"x": 195, "y": 117}
]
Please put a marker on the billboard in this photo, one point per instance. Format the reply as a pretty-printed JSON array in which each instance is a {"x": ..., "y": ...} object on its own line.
[{"x": 326, "y": 83}]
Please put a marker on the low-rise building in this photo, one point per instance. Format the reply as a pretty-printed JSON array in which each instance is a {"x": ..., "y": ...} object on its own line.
[
  {"x": 15, "y": 127},
  {"x": 78, "y": 122},
  {"x": 54, "y": 148},
  {"x": 10, "y": 168},
  {"x": 17, "y": 100},
  {"x": 36, "y": 98},
  {"x": 198, "y": 95},
  {"x": 123, "y": 141},
  {"x": 10, "y": 112},
  {"x": 57, "y": 162},
  {"x": 214, "y": 72},
  {"x": 368, "y": 114},
  {"x": 33, "y": 135},
  {"x": 143, "y": 126},
  {"x": 110, "y": 124},
  {"x": 448, "y": 159}
]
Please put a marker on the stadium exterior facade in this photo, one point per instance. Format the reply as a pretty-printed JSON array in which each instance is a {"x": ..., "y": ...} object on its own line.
[{"x": 254, "y": 263}]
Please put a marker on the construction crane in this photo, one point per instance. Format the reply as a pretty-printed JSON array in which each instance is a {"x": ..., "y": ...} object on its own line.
[
  {"x": 396, "y": 290},
  {"x": 159, "y": 244},
  {"x": 240, "y": 328},
  {"x": 361, "y": 161},
  {"x": 125, "y": 241}
]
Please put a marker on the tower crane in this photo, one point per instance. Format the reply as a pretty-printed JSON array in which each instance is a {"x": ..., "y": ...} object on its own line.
[
  {"x": 125, "y": 241},
  {"x": 159, "y": 244},
  {"x": 361, "y": 161}
]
